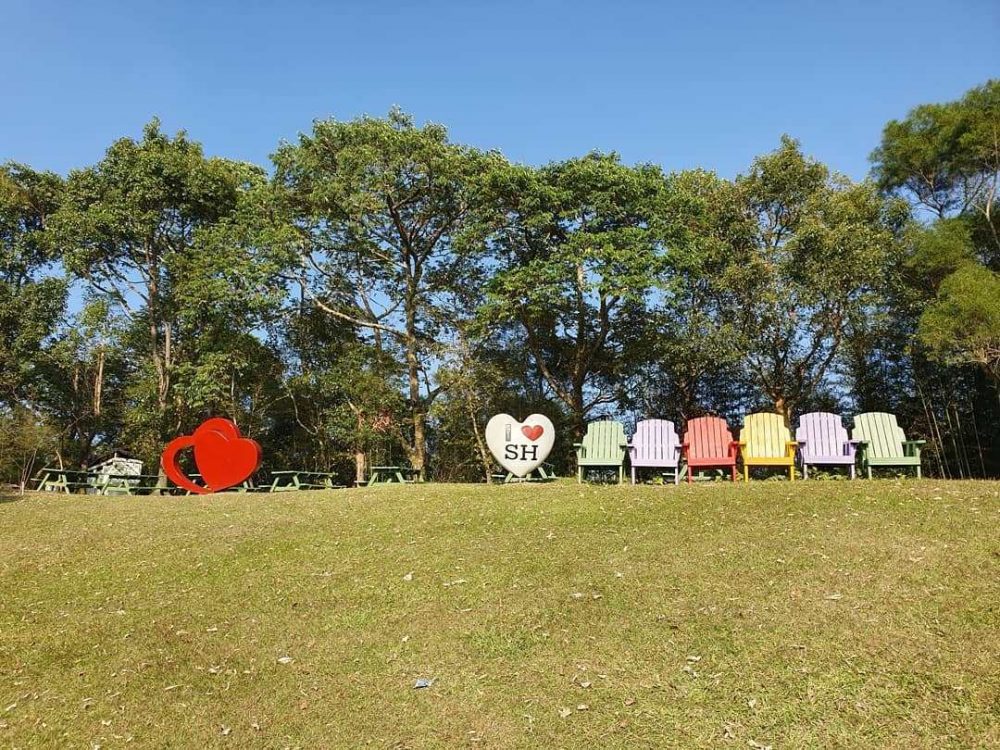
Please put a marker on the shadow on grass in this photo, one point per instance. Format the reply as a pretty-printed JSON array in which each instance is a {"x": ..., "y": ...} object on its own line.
[{"x": 9, "y": 497}]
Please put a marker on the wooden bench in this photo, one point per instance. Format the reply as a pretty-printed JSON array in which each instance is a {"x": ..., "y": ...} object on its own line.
[
  {"x": 296, "y": 479},
  {"x": 390, "y": 474}
]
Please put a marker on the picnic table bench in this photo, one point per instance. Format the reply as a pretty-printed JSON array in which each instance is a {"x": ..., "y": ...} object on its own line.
[
  {"x": 126, "y": 484},
  {"x": 293, "y": 479},
  {"x": 246, "y": 485},
  {"x": 389, "y": 474},
  {"x": 54, "y": 479}
]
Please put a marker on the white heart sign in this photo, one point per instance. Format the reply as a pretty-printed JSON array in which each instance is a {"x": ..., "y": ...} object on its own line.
[{"x": 520, "y": 447}]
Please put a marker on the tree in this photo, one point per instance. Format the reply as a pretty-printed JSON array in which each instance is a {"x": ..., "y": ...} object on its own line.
[
  {"x": 946, "y": 158},
  {"x": 577, "y": 245},
  {"x": 379, "y": 207},
  {"x": 690, "y": 363},
  {"x": 962, "y": 325},
  {"x": 807, "y": 261},
  {"x": 31, "y": 305},
  {"x": 133, "y": 228}
]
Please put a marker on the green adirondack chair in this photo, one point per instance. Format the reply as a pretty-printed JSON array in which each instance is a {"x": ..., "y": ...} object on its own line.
[
  {"x": 603, "y": 447},
  {"x": 882, "y": 442}
]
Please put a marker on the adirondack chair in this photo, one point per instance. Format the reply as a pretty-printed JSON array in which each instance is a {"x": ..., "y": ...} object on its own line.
[
  {"x": 823, "y": 441},
  {"x": 603, "y": 447},
  {"x": 766, "y": 441},
  {"x": 708, "y": 444},
  {"x": 883, "y": 442},
  {"x": 655, "y": 445}
]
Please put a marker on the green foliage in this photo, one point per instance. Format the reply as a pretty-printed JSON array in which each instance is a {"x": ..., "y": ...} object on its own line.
[
  {"x": 149, "y": 229},
  {"x": 30, "y": 304},
  {"x": 388, "y": 290},
  {"x": 380, "y": 207},
  {"x": 962, "y": 325},
  {"x": 809, "y": 258},
  {"x": 27, "y": 441},
  {"x": 578, "y": 245}
]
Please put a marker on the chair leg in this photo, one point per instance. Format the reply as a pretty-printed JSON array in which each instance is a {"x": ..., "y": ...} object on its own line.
[
  {"x": 579, "y": 475},
  {"x": 746, "y": 473},
  {"x": 869, "y": 472},
  {"x": 918, "y": 471},
  {"x": 852, "y": 471},
  {"x": 805, "y": 470},
  {"x": 732, "y": 473}
]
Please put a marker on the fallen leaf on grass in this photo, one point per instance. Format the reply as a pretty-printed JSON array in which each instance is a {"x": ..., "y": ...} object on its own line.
[
  {"x": 408, "y": 576},
  {"x": 833, "y": 597},
  {"x": 285, "y": 660},
  {"x": 583, "y": 707},
  {"x": 565, "y": 712},
  {"x": 226, "y": 730}
]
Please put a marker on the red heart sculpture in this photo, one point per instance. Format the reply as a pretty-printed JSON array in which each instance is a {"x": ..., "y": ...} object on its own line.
[
  {"x": 533, "y": 432},
  {"x": 223, "y": 456}
]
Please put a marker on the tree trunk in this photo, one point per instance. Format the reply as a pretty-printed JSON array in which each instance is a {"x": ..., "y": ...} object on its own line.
[
  {"x": 484, "y": 454},
  {"x": 360, "y": 467}
]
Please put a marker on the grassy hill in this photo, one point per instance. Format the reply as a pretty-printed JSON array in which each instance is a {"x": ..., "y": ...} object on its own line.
[{"x": 831, "y": 614}]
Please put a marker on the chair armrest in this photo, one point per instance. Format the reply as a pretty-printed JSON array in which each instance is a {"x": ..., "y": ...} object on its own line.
[
  {"x": 735, "y": 446},
  {"x": 915, "y": 442}
]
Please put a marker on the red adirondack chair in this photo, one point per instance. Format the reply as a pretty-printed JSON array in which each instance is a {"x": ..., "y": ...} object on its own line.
[{"x": 708, "y": 444}]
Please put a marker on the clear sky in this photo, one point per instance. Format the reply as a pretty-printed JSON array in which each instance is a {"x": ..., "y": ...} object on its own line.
[{"x": 680, "y": 84}]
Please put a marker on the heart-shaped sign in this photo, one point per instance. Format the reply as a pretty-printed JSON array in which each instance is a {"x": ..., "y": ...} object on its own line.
[
  {"x": 520, "y": 447},
  {"x": 223, "y": 456}
]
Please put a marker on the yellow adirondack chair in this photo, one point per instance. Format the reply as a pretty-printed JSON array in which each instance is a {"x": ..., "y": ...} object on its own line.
[{"x": 766, "y": 441}]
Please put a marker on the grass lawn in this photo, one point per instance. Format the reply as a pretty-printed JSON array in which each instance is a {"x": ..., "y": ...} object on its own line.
[{"x": 824, "y": 614}]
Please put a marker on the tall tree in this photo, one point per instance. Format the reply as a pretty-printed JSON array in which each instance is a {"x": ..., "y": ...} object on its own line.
[
  {"x": 31, "y": 303},
  {"x": 578, "y": 245},
  {"x": 379, "y": 207},
  {"x": 807, "y": 261},
  {"x": 131, "y": 227}
]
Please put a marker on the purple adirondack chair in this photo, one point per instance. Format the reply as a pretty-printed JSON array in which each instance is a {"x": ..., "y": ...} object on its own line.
[
  {"x": 823, "y": 441},
  {"x": 655, "y": 445}
]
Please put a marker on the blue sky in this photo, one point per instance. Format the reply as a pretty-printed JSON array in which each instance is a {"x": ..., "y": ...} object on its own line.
[{"x": 678, "y": 84}]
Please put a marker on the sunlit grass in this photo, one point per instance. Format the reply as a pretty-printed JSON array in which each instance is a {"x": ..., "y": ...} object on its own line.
[{"x": 808, "y": 615}]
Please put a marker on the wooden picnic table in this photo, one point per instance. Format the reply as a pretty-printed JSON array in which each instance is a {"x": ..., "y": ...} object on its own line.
[
  {"x": 127, "y": 484},
  {"x": 389, "y": 474},
  {"x": 246, "y": 486},
  {"x": 295, "y": 479},
  {"x": 54, "y": 479}
]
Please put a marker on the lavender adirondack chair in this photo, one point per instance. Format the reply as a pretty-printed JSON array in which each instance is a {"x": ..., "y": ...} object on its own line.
[
  {"x": 655, "y": 445},
  {"x": 823, "y": 441}
]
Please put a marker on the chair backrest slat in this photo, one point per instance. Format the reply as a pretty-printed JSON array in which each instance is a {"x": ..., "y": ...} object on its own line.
[
  {"x": 708, "y": 437},
  {"x": 654, "y": 440},
  {"x": 605, "y": 440},
  {"x": 881, "y": 432},
  {"x": 765, "y": 434},
  {"x": 822, "y": 434}
]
